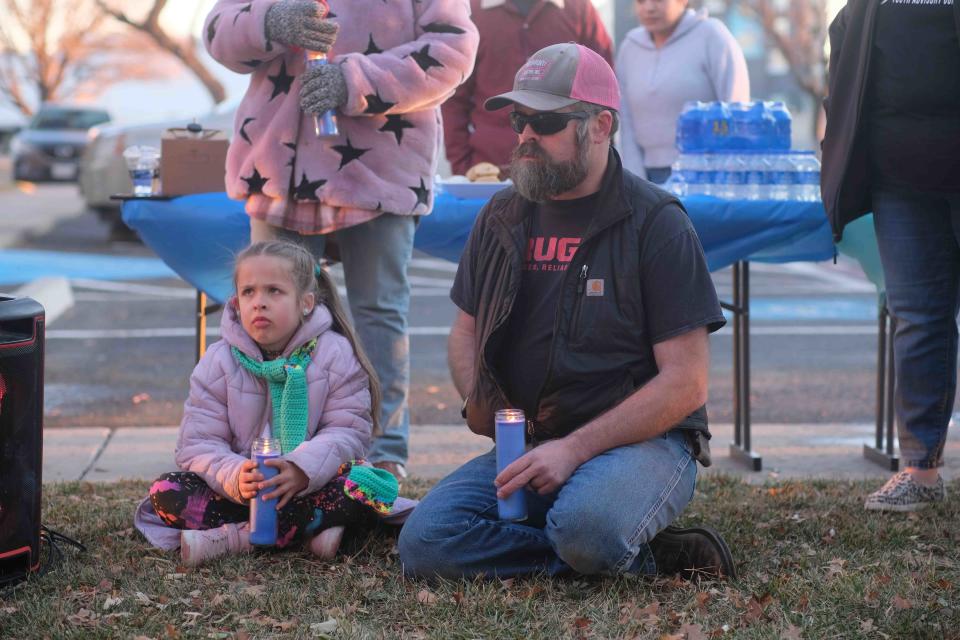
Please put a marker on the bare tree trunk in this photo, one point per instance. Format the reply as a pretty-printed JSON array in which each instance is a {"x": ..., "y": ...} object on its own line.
[
  {"x": 185, "y": 52},
  {"x": 798, "y": 30}
]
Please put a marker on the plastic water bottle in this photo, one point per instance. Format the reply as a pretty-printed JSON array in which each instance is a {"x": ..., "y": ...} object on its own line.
[
  {"x": 755, "y": 179},
  {"x": 782, "y": 125},
  {"x": 807, "y": 176},
  {"x": 263, "y": 513},
  {"x": 781, "y": 176},
  {"x": 324, "y": 124},
  {"x": 740, "y": 127},
  {"x": 708, "y": 174},
  {"x": 510, "y": 425},
  {"x": 717, "y": 120},
  {"x": 677, "y": 182},
  {"x": 688, "y": 128}
]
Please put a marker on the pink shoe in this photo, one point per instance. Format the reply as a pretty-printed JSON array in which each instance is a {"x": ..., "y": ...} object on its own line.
[
  {"x": 196, "y": 547},
  {"x": 325, "y": 544}
]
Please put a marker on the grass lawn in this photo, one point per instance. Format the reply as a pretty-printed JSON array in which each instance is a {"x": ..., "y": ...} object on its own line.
[{"x": 813, "y": 564}]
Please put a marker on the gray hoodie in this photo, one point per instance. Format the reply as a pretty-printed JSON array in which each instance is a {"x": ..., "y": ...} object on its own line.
[{"x": 700, "y": 61}]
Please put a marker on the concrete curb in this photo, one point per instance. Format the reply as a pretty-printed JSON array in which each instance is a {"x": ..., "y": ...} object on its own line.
[{"x": 790, "y": 451}]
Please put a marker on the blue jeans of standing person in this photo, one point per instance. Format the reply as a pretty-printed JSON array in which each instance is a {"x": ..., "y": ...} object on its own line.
[
  {"x": 599, "y": 522},
  {"x": 375, "y": 256},
  {"x": 919, "y": 239}
]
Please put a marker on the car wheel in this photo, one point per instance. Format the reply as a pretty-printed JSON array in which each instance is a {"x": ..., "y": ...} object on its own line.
[{"x": 18, "y": 171}]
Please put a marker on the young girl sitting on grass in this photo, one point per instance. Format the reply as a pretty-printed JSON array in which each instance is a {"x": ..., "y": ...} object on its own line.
[{"x": 288, "y": 366}]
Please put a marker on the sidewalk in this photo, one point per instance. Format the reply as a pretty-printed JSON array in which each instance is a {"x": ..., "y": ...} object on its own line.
[{"x": 823, "y": 451}]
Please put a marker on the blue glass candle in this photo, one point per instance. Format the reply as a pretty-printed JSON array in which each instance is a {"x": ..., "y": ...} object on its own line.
[
  {"x": 511, "y": 443},
  {"x": 263, "y": 513}
]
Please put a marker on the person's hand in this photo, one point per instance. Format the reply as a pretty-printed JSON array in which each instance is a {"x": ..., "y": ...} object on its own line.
[
  {"x": 298, "y": 23},
  {"x": 323, "y": 89},
  {"x": 249, "y": 477},
  {"x": 290, "y": 481},
  {"x": 544, "y": 469}
]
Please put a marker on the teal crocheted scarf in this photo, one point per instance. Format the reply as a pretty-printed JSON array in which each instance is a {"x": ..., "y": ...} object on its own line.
[{"x": 287, "y": 380}]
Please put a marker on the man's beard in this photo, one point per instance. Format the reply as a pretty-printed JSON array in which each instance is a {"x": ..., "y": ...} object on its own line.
[{"x": 541, "y": 179}]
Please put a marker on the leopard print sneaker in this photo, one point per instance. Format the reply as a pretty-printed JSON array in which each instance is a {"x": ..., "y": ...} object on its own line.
[{"x": 903, "y": 493}]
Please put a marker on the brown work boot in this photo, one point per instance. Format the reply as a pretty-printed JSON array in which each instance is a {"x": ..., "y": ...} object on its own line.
[
  {"x": 698, "y": 552},
  {"x": 396, "y": 468}
]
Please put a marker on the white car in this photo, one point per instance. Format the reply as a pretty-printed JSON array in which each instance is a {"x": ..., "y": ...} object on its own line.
[{"x": 103, "y": 171}]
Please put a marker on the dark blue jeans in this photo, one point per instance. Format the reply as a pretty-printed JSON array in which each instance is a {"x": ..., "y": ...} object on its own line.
[
  {"x": 919, "y": 239},
  {"x": 599, "y": 522}
]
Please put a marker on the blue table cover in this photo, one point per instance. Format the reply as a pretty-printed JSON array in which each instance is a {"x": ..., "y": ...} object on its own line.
[{"x": 198, "y": 235}]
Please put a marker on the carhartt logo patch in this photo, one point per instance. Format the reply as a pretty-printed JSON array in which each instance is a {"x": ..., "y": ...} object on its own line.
[{"x": 595, "y": 287}]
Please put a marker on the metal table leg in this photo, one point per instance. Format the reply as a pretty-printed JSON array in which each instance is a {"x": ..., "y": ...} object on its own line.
[
  {"x": 882, "y": 453},
  {"x": 741, "y": 447},
  {"x": 201, "y": 321}
]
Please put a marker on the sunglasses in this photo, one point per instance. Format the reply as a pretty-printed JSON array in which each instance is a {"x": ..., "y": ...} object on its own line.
[{"x": 544, "y": 124}]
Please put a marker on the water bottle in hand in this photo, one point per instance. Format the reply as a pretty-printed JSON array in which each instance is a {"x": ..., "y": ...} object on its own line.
[{"x": 324, "y": 124}]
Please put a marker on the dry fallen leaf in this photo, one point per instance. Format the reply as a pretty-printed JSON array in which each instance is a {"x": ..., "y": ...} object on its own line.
[
  {"x": 867, "y": 625},
  {"x": 83, "y": 617},
  {"x": 425, "y": 596},
  {"x": 901, "y": 603},
  {"x": 791, "y": 633},
  {"x": 693, "y": 631},
  {"x": 324, "y": 628},
  {"x": 254, "y": 590},
  {"x": 111, "y": 602}
]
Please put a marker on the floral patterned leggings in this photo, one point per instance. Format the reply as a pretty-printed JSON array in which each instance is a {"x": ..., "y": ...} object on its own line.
[{"x": 183, "y": 500}]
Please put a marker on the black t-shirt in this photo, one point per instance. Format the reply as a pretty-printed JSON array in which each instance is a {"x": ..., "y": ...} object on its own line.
[
  {"x": 913, "y": 96},
  {"x": 556, "y": 229},
  {"x": 670, "y": 291}
]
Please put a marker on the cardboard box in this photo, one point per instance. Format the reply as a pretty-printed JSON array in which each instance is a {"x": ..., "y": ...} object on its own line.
[{"x": 192, "y": 162}]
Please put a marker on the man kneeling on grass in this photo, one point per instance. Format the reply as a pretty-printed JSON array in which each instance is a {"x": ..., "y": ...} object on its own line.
[{"x": 584, "y": 299}]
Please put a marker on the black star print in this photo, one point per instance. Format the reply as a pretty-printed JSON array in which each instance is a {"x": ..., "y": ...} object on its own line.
[
  {"x": 372, "y": 47},
  {"x": 379, "y": 206},
  {"x": 255, "y": 182},
  {"x": 293, "y": 159},
  {"x": 330, "y": 14},
  {"x": 423, "y": 58},
  {"x": 244, "y": 9},
  {"x": 442, "y": 27},
  {"x": 422, "y": 193},
  {"x": 348, "y": 153},
  {"x": 253, "y": 64},
  {"x": 243, "y": 132},
  {"x": 307, "y": 190},
  {"x": 212, "y": 28},
  {"x": 396, "y": 124},
  {"x": 281, "y": 81},
  {"x": 376, "y": 104}
]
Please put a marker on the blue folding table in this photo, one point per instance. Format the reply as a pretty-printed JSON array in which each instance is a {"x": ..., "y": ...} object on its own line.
[{"x": 198, "y": 235}]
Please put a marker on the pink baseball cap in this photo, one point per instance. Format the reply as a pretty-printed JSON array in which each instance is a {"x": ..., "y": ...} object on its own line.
[{"x": 561, "y": 75}]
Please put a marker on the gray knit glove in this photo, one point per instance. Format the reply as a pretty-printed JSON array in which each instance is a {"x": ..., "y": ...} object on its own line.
[
  {"x": 297, "y": 23},
  {"x": 323, "y": 88}
]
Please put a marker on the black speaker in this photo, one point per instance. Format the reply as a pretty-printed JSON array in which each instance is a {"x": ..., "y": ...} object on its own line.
[{"x": 21, "y": 435}]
